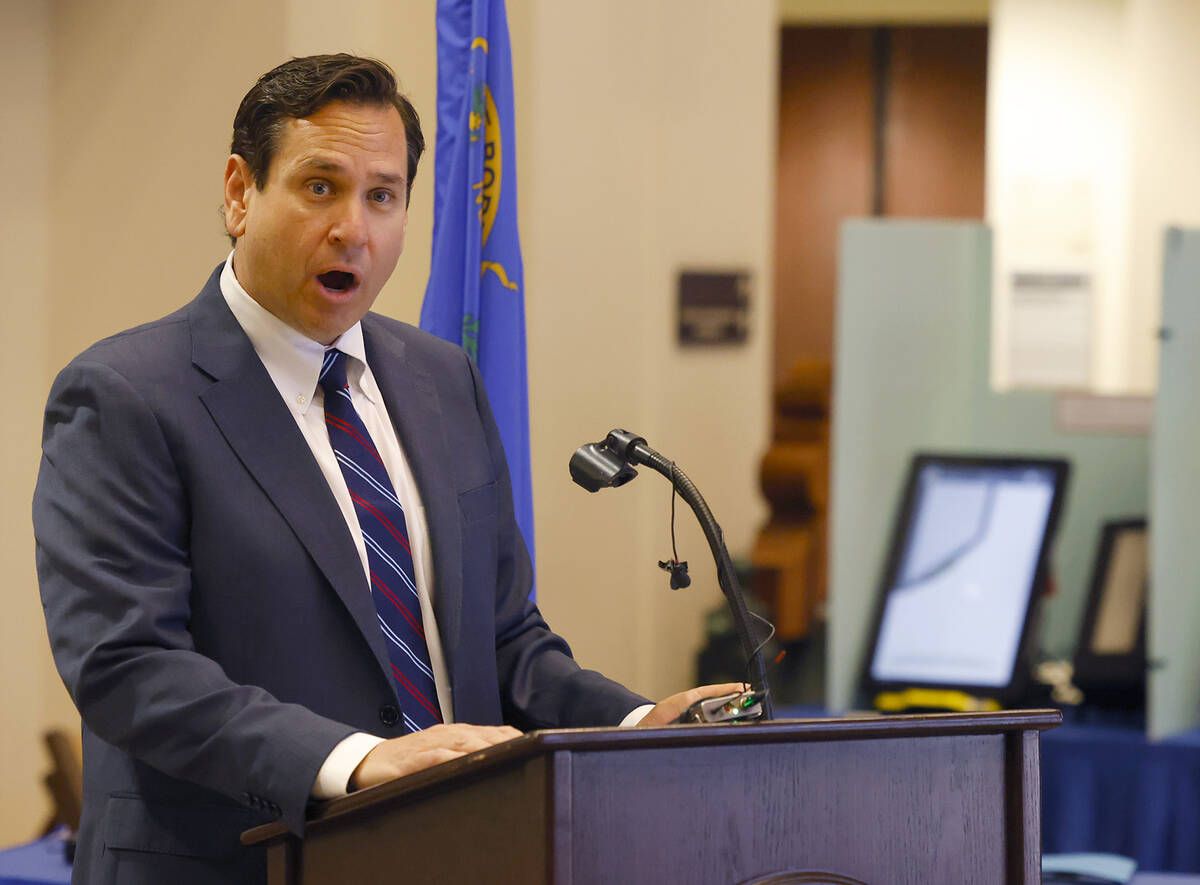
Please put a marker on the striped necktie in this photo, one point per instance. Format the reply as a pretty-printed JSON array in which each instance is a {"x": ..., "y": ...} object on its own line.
[{"x": 389, "y": 557}]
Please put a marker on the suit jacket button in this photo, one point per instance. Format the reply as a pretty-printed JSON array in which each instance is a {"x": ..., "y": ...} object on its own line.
[{"x": 389, "y": 715}]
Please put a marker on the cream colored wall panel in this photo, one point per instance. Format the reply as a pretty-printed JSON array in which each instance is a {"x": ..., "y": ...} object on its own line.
[
  {"x": 584, "y": 186},
  {"x": 142, "y": 103},
  {"x": 1091, "y": 100},
  {"x": 652, "y": 149},
  {"x": 1058, "y": 170},
  {"x": 29, "y": 692},
  {"x": 1165, "y": 127},
  {"x": 714, "y": 173}
]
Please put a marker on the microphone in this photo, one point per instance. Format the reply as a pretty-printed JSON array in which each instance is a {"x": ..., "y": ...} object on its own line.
[
  {"x": 595, "y": 467},
  {"x": 609, "y": 463}
]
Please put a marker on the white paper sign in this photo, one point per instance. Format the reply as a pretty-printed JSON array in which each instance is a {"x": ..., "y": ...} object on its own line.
[{"x": 1050, "y": 328}]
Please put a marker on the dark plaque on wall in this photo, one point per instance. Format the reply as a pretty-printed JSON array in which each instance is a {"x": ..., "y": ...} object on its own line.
[{"x": 714, "y": 307}]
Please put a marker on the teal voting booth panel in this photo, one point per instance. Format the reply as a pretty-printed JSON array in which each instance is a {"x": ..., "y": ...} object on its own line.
[
  {"x": 906, "y": 316},
  {"x": 1174, "y": 609}
]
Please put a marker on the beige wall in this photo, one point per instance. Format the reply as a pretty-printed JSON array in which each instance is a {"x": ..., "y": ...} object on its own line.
[
  {"x": 651, "y": 149},
  {"x": 1058, "y": 163},
  {"x": 140, "y": 135},
  {"x": 1165, "y": 179},
  {"x": 30, "y": 694},
  {"x": 1092, "y": 126},
  {"x": 645, "y": 139}
]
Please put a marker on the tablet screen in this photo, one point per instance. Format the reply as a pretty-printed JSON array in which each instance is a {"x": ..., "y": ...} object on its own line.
[{"x": 957, "y": 602}]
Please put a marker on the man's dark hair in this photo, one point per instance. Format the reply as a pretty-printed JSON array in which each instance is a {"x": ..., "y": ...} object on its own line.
[{"x": 299, "y": 88}]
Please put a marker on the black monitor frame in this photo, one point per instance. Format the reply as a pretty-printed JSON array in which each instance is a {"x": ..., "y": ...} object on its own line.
[
  {"x": 1118, "y": 679},
  {"x": 901, "y": 525}
]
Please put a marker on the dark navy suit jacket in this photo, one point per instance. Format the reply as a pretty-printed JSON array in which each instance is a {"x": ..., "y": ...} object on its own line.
[{"x": 206, "y": 605}]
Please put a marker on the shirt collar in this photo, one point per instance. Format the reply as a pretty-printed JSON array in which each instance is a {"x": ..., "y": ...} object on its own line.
[{"x": 292, "y": 359}]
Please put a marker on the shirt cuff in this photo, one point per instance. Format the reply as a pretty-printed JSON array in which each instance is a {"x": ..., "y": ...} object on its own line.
[
  {"x": 333, "y": 779},
  {"x": 635, "y": 715}
]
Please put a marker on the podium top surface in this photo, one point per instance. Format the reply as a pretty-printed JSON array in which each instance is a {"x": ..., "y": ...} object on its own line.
[{"x": 591, "y": 740}]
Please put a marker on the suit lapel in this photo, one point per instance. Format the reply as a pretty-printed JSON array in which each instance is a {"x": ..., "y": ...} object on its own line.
[
  {"x": 246, "y": 406},
  {"x": 412, "y": 404}
]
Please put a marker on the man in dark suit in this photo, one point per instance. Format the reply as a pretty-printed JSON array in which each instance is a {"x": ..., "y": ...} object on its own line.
[{"x": 210, "y": 587}]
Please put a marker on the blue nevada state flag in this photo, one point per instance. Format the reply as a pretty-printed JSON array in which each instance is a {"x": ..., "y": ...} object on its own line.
[{"x": 476, "y": 291}]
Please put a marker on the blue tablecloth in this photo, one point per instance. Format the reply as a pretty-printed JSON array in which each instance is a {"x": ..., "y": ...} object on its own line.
[
  {"x": 1106, "y": 788},
  {"x": 37, "y": 863}
]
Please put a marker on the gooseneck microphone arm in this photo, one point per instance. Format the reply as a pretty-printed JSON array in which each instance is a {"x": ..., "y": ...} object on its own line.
[{"x": 610, "y": 464}]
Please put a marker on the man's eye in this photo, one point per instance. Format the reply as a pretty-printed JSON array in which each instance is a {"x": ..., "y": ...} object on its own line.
[
  {"x": 319, "y": 188},
  {"x": 381, "y": 196}
]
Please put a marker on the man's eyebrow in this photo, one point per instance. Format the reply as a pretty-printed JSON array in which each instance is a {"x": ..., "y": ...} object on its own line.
[
  {"x": 320, "y": 164},
  {"x": 324, "y": 165}
]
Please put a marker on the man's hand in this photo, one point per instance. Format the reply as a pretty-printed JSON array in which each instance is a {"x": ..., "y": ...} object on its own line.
[
  {"x": 423, "y": 749},
  {"x": 667, "y": 710}
]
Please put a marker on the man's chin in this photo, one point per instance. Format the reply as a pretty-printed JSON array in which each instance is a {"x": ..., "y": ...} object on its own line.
[
  {"x": 327, "y": 335},
  {"x": 327, "y": 329}
]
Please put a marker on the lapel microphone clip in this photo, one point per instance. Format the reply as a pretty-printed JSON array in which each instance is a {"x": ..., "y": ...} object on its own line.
[{"x": 678, "y": 570}]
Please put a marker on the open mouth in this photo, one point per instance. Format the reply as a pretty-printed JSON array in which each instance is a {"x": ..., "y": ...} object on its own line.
[{"x": 337, "y": 280}]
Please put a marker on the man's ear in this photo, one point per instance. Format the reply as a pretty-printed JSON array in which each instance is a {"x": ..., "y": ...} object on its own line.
[{"x": 239, "y": 191}]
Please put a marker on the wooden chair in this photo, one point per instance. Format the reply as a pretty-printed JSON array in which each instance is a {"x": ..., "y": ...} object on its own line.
[
  {"x": 789, "y": 555},
  {"x": 65, "y": 781}
]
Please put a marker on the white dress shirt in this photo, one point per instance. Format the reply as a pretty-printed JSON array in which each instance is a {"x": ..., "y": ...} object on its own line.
[{"x": 294, "y": 363}]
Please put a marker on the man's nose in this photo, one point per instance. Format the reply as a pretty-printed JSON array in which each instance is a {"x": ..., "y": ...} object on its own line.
[{"x": 349, "y": 226}]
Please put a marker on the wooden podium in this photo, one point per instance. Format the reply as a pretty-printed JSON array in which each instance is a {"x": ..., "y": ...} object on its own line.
[{"x": 951, "y": 799}]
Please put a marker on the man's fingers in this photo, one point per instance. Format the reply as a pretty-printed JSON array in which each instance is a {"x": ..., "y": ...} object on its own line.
[
  {"x": 414, "y": 752},
  {"x": 711, "y": 691},
  {"x": 470, "y": 737},
  {"x": 494, "y": 734},
  {"x": 667, "y": 710},
  {"x": 471, "y": 741},
  {"x": 438, "y": 755}
]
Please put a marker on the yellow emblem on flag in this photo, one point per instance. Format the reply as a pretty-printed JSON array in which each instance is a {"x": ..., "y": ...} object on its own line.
[
  {"x": 488, "y": 190},
  {"x": 498, "y": 269}
]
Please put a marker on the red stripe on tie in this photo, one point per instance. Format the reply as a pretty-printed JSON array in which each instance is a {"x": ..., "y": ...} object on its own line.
[
  {"x": 433, "y": 711},
  {"x": 387, "y": 591},
  {"x": 400, "y": 538},
  {"x": 348, "y": 428}
]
